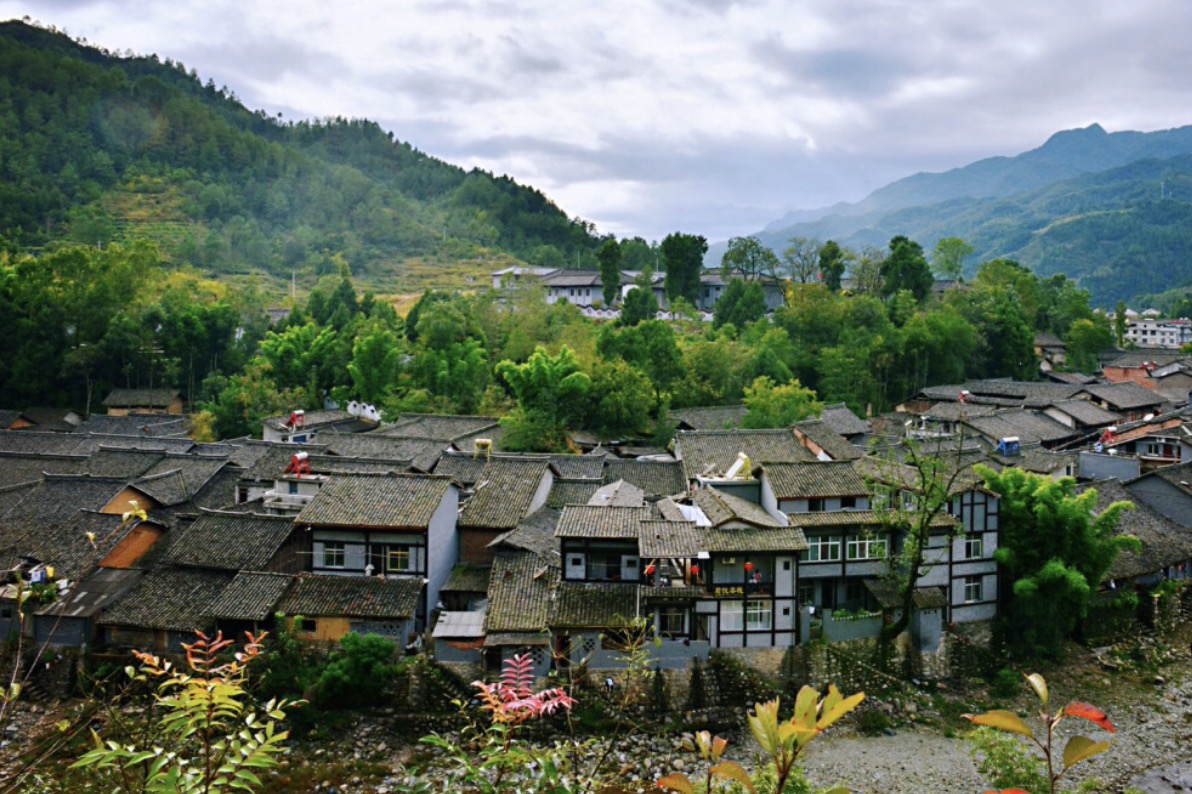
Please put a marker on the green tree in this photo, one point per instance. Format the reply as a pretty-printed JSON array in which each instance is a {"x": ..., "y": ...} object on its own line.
[
  {"x": 906, "y": 268},
  {"x": 240, "y": 402},
  {"x": 683, "y": 260},
  {"x": 748, "y": 256},
  {"x": 547, "y": 388},
  {"x": 358, "y": 672},
  {"x": 1084, "y": 341},
  {"x": 801, "y": 259},
  {"x": 640, "y": 305},
  {"x": 609, "y": 256},
  {"x": 376, "y": 360},
  {"x": 1053, "y": 552},
  {"x": 771, "y": 405},
  {"x": 1119, "y": 323},
  {"x": 833, "y": 262},
  {"x": 741, "y": 303},
  {"x": 620, "y": 399},
  {"x": 947, "y": 258}
]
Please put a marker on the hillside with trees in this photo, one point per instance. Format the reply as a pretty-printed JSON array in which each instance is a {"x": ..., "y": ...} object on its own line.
[{"x": 99, "y": 147}]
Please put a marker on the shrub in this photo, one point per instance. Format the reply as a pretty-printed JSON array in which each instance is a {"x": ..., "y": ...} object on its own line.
[
  {"x": 1005, "y": 684},
  {"x": 358, "y": 673}
]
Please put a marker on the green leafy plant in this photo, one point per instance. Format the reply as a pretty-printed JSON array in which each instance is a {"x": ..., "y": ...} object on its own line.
[
  {"x": 1010, "y": 767},
  {"x": 357, "y": 673},
  {"x": 209, "y": 737},
  {"x": 780, "y": 740}
]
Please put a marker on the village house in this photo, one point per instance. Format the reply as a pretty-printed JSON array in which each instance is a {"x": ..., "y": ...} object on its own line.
[{"x": 125, "y": 402}]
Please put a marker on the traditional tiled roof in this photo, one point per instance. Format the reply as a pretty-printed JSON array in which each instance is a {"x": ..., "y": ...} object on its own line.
[
  {"x": 841, "y": 419},
  {"x": 7, "y": 417},
  {"x": 126, "y": 463},
  {"x": 175, "y": 480},
  {"x": 713, "y": 452},
  {"x": 269, "y": 461},
  {"x": 655, "y": 478},
  {"x": 467, "y": 443},
  {"x": 579, "y": 467},
  {"x": 888, "y": 596},
  {"x": 905, "y": 476},
  {"x": 1041, "y": 461},
  {"x": 504, "y": 493},
  {"x": 618, "y": 494},
  {"x": 464, "y": 469},
  {"x": 1005, "y": 392},
  {"x": 1124, "y": 396},
  {"x": 1132, "y": 359},
  {"x": 64, "y": 543},
  {"x": 220, "y": 491},
  {"x": 62, "y": 496},
  {"x": 170, "y": 599},
  {"x": 16, "y": 468},
  {"x": 595, "y": 605},
  {"x": 814, "y": 480},
  {"x": 102, "y": 588},
  {"x": 717, "y": 417},
  {"x": 442, "y": 426},
  {"x": 375, "y": 501},
  {"x": 29, "y": 441},
  {"x": 722, "y": 508},
  {"x": 836, "y": 446},
  {"x": 860, "y": 518},
  {"x": 582, "y": 521},
  {"x": 1164, "y": 542},
  {"x": 957, "y": 411},
  {"x": 668, "y": 539},
  {"x": 535, "y": 532},
  {"x": 92, "y": 442},
  {"x": 146, "y": 425},
  {"x": 56, "y": 420},
  {"x": 422, "y": 453},
  {"x": 571, "y": 492},
  {"x": 467, "y": 579},
  {"x": 519, "y": 592},
  {"x": 352, "y": 597},
  {"x": 230, "y": 541},
  {"x": 252, "y": 595},
  {"x": 1087, "y": 413},
  {"x": 311, "y": 419},
  {"x": 141, "y": 398},
  {"x": 459, "y": 625},
  {"x": 1031, "y": 427},
  {"x": 759, "y": 539}
]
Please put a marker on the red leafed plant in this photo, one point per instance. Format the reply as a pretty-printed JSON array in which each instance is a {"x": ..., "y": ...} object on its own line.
[
  {"x": 1079, "y": 748},
  {"x": 512, "y": 700}
]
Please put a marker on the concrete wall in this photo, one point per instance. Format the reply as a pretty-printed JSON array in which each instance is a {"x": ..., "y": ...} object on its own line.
[{"x": 442, "y": 544}]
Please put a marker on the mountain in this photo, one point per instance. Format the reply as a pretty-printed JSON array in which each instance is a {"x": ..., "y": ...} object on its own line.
[
  {"x": 98, "y": 146},
  {"x": 1103, "y": 208}
]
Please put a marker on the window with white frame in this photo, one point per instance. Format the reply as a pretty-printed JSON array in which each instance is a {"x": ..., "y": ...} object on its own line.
[
  {"x": 759, "y": 615},
  {"x": 732, "y": 615},
  {"x": 672, "y": 621},
  {"x": 816, "y": 505},
  {"x": 973, "y": 590},
  {"x": 821, "y": 548},
  {"x": 974, "y": 549},
  {"x": 867, "y": 547},
  {"x": 333, "y": 554}
]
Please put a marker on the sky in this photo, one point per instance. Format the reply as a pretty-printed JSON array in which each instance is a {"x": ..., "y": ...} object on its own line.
[{"x": 711, "y": 117}]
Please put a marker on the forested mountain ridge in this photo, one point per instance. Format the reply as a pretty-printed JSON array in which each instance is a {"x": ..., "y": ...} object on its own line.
[
  {"x": 98, "y": 146},
  {"x": 1109, "y": 210}
]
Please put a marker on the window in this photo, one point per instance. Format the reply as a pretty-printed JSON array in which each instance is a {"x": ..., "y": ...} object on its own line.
[
  {"x": 973, "y": 547},
  {"x": 309, "y": 625},
  {"x": 854, "y": 593},
  {"x": 399, "y": 559},
  {"x": 972, "y": 589},
  {"x": 759, "y": 615},
  {"x": 672, "y": 621},
  {"x": 821, "y": 549},
  {"x": 293, "y": 487},
  {"x": 806, "y": 594},
  {"x": 732, "y": 615},
  {"x": 867, "y": 547},
  {"x": 333, "y": 554},
  {"x": 848, "y": 502},
  {"x": 815, "y": 505}
]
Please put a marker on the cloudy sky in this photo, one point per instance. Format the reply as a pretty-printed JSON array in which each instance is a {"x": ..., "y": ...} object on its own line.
[{"x": 706, "y": 116}]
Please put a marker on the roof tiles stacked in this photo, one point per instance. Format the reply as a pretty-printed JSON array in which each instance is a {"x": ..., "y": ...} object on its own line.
[
  {"x": 377, "y": 501},
  {"x": 352, "y": 596}
]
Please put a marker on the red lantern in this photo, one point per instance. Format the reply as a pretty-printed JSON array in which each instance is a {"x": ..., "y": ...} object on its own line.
[
  {"x": 695, "y": 570},
  {"x": 748, "y": 566},
  {"x": 650, "y": 569}
]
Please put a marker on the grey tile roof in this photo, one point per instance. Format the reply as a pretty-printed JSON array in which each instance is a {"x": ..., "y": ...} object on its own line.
[
  {"x": 1087, "y": 413},
  {"x": 90, "y": 442},
  {"x": 814, "y": 480},
  {"x": 655, "y": 478},
  {"x": 141, "y": 398},
  {"x": 352, "y": 596},
  {"x": 467, "y": 579},
  {"x": 176, "y": 479},
  {"x": 29, "y": 441},
  {"x": 859, "y": 518},
  {"x": 571, "y": 492},
  {"x": 841, "y": 419},
  {"x": 661, "y": 539},
  {"x": 464, "y": 469},
  {"x": 1164, "y": 542},
  {"x": 252, "y": 595},
  {"x": 519, "y": 592},
  {"x": 16, "y": 468},
  {"x": 957, "y": 411},
  {"x": 377, "y": 501},
  {"x": 713, "y": 452},
  {"x": 582, "y": 521},
  {"x": 535, "y": 532},
  {"x": 504, "y": 493},
  {"x": 102, "y": 588},
  {"x": 312, "y": 419},
  {"x": 579, "y": 467},
  {"x": 220, "y": 491},
  {"x": 722, "y": 508},
  {"x": 422, "y": 453},
  {"x": 269, "y": 461},
  {"x": 126, "y": 463},
  {"x": 230, "y": 541},
  {"x": 64, "y": 543},
  {"x": 618, "y": 494},
  {"x": 170, "y": 599},
  {"x": 717, "y": 417},
  {"x": 62, "y": 496},
  {"x": 835, "y": 445},
  {"x": 7, "y": 417},
  {"x": 1042, "y": 461},
  {"x": 1031, "y": 427},
  {"x": 758, "y": 539},
  {"x": 441, "y": 426},
  {"x": 1124, "y": 396},
  {"x": 461, "y": 625},
  {"x": 1022, "y": 393},
  {"x": 147, "y": 425},
  {"x": 1132, "y": 359},
  {"x": 593, "y": 605},
  {"x": 888, "y": 596}
]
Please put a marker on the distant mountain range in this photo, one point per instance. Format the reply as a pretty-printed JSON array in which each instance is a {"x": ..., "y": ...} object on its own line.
[{"x": 1110, "y": 210}]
